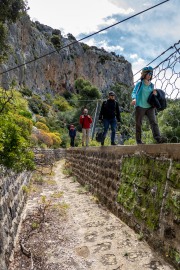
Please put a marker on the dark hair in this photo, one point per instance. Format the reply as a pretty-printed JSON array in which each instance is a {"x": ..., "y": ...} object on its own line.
[{"x": 111, "y": 93}]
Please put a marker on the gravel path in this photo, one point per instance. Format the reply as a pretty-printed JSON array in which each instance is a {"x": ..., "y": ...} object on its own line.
[{"x": 87, "y": 237}]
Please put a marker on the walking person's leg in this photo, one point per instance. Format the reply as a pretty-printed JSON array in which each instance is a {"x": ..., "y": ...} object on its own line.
[
  {"x": 83, "y": 136},
  {"x": 87, "y": 136},
  {"x": 71, "y": 143},
  {"x": 139, "y": 114},
  {"x": 113, "y": 124},
  {"x": 153, "y": 123},
  {"x": 106, "y": 127}
]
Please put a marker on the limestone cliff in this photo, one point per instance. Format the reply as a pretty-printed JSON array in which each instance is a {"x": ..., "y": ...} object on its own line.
[{"x": 58, "y": 71}]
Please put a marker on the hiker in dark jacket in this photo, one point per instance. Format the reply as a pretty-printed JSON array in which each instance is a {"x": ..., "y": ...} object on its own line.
[
  {"x": 110, "y": 115},
  {"x": 72, "y": 134}
]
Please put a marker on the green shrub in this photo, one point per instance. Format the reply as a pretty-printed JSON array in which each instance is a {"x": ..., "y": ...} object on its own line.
[
  {"x": 26, "y": 114},
  {"x": 42, "y": 126},
  {"x": 26, "y": 91},
  {"x": 38, "y": 107},
  {"x": 85, "y": 47},
  {"x": 56, "y": 41},
  {"x": 61, "y": 104},
  {"x": 104, "y": 58},
  {"x": 15, "y": 143}
]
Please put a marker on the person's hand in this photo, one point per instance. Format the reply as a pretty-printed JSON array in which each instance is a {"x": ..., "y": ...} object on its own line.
[
  {"x": 155, "y": 92},
  {"x": 118, "y": 126},
  {"x": 82, "y": 116},
  {"x": 89, "y": 116},
  {"x": 133, "y": 102}
]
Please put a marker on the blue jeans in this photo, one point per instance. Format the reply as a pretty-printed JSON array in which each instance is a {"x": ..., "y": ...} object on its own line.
[{"x": 112, "y": 122}]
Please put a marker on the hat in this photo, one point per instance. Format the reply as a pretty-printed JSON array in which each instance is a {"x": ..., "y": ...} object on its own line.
[
  {"x": 111, "y": 93},
  {"x": 145, "y": 71}
]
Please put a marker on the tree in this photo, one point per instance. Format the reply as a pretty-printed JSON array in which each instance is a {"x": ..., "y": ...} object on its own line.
[
  {"x": 169, "y": 121},
  {"x": 14, "y": 143},
  {"x": 87, "y": 93},
  {"x": 10, "y": 11},
  {"x": 15, "y": 130},
  {"x": 88, "y": 96}
]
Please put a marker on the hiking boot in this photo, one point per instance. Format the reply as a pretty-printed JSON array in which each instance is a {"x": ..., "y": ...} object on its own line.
[
  {"x": 102, "y": 142},
  {"x": 140, "y": 142},
  {"x": 161, "y": 140},
  {"x": 113, "y": 143}
]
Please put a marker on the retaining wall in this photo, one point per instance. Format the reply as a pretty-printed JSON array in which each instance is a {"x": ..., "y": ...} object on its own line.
[
  {"x": 12, "y": 200},
  {"x": 139, "y": 184},
  {"x": 13, "y": 197}
]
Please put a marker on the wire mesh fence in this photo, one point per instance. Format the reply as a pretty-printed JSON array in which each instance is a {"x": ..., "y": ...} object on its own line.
[{"x": 166, "y": 76}]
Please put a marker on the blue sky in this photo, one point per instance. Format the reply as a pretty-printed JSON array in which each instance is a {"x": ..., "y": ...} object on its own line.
[{"x": 139, "y": 40}]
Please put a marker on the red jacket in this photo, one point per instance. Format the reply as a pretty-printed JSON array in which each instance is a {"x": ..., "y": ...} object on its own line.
[{"x": 85, "y": 121}]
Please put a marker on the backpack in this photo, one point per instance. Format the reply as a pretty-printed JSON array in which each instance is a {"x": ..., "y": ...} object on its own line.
[{"x": 99, "y": 136}]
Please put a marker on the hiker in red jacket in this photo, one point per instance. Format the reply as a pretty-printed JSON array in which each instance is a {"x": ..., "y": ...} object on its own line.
[{"x": 85, "y": 121}]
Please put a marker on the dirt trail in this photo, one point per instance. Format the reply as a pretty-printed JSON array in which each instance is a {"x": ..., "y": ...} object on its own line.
[{"x": 88, "y": 237}]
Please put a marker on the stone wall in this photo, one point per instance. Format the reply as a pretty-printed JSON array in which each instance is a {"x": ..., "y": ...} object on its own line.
[
  {"x": 12, "y": 200},
  {"x": 48, "y": 156},
  {"x": 13, "y": 194},
  {"x": 139, "y": 184}
]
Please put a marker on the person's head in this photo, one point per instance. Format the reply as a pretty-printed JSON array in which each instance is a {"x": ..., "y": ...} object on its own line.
[
  {"x": 147, "y": 73},
  {"x": 85, "y": 112},
  {"x": 71, "y": 126},
  {"x": 111, "y": 95}
]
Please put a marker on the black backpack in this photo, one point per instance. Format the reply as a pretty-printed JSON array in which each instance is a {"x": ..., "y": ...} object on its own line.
[{"x": 99, "y": 136}]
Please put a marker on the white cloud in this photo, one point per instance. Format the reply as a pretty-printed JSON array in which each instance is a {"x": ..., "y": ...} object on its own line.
[
  {"x": 137, "y": 66},
  {"x": 74, "y": 17},
  {"x": 133, "y": 56},
  {"x": 104, "y": 44},
  {"x": 109, "y": 48},
  {"x": 133, "y": 4},
  {"x": 140, "y": 39}
]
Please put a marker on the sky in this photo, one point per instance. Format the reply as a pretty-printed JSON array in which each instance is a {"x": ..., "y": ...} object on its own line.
[{"x": 140, "y": 40}]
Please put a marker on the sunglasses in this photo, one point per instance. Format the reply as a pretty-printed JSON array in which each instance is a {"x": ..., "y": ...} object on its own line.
[{"x": 150, "y": 73}]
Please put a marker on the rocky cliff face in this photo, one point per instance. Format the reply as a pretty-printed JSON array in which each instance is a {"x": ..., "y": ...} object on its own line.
[{"x": 58, "y": 71}]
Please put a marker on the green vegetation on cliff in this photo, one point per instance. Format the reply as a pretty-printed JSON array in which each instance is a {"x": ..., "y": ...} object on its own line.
[
  {"x": 15, "y": 131},
  {"x": 28, "y": 120},
  {"x": 10, "y": 11}
]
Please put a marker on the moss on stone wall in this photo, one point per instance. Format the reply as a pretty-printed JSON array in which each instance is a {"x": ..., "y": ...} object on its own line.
[
  {"x": 172, "y": 203},
  {"x": 175, "y": 175},
  {"x": 142, "y": 185},
  {"x": 146, "y": 188}
]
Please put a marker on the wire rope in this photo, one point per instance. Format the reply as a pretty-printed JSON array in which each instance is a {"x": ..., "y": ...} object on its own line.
[{"x": 76, "y": 41}]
